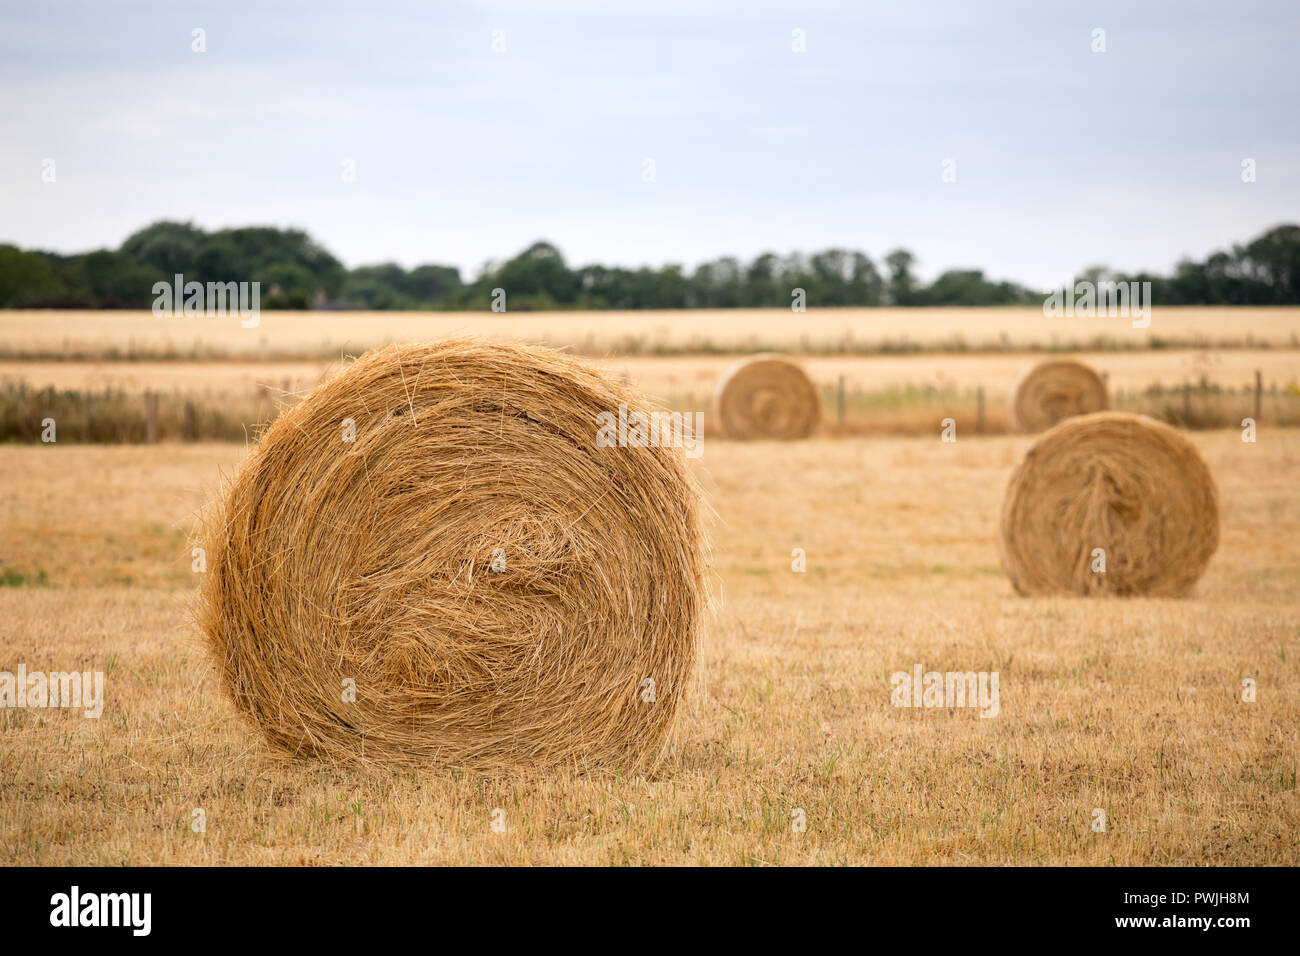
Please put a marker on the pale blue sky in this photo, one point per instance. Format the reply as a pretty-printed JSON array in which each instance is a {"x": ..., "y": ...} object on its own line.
[{"x": 1063, "y": 157}]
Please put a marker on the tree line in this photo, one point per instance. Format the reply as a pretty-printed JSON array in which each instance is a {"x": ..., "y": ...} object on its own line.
[{"x": 296, "y": 272}]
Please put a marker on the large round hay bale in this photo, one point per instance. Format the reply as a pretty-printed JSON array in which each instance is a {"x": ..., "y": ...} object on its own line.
[
  {"x": 766, "y": 396},
  {"x": 1052, "y": 391},
  {"x": 471, "y": 582},
  {"x": 1128, "y": 485}
]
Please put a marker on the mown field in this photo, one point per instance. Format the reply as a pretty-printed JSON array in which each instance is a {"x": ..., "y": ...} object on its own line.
[
  {"x": 326, "y": 335},
  {"x": 669, "y": 377},
  {"x": 103, "y": 400},
  {"x": 1133, "y": 707}
]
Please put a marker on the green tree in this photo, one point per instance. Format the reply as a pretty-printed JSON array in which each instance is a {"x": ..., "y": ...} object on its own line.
[
  {"x": 219, "y": 259},
  {"x": 26, "y": 278},
  {"x": 430, "y": 284},
  {"x": 118, "y": 281},
  {"x": 168, "y": 247},
  {"x": 902, "y": 284},
  {"x": 1271, "y": 262},
  {"x": 538, "y": 272},
  {"x": 286, "y": 285}
]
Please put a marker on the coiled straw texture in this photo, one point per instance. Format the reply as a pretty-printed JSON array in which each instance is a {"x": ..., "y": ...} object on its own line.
[
  {"x": 767, "y": 396},
  {"x": 497, "y": 590},
  {"x": 1115, "y": 491},
  {"x": 1052, "y": 391}
]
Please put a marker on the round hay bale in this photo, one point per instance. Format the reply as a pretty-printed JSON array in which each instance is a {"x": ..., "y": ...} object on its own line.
[
  {"x": 766, "y": 396},
  {"x": 1131, "y": 486},
  {"x": 471, "y": 581},
  {"x": 1052, "y": 391}
]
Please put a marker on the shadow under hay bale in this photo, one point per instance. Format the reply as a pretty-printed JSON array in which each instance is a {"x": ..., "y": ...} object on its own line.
[{"x": 470, "y": 581}]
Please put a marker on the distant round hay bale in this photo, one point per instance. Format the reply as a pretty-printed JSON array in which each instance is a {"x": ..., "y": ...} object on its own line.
[
  {"x": 1126, "y": 484},
  {"x": 494, "y": 589},
  {"x": 1052, "y": 391},
  {"x": 766, "y": 396}
]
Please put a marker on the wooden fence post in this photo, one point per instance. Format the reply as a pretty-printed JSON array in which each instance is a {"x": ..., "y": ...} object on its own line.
[
  {"x": 979, "y": 410},
  {"x": 839, "y": 403},
  {"x": 1259, "y": 393}
]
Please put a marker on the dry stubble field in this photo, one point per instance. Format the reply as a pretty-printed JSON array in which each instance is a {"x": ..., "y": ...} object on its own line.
[
  {"x": 67, "y": 334},
  {"x": 690, "y": 379},
  {"x": 1131, "y": 706}
]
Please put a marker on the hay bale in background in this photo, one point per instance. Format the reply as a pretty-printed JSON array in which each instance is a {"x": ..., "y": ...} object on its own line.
[
  {"x": 1127, "y": 484},
  {"x": 767, "y": 396},
  {"x": 499, "y": 587},
  {"x": 1052, "y": 391}
]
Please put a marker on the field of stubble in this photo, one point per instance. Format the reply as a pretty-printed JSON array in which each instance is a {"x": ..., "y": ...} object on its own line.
[{"x": 1133, "y": 707}]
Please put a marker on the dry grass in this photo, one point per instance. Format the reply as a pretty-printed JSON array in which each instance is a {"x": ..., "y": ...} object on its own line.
[
  {"x": 906, "y": 395},
  {"x": 323, "y": 335},
  {"x": 1132, "y": 706},
  {"x": 666, "y": 376},
  {"x": 121, "y": 417}
]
